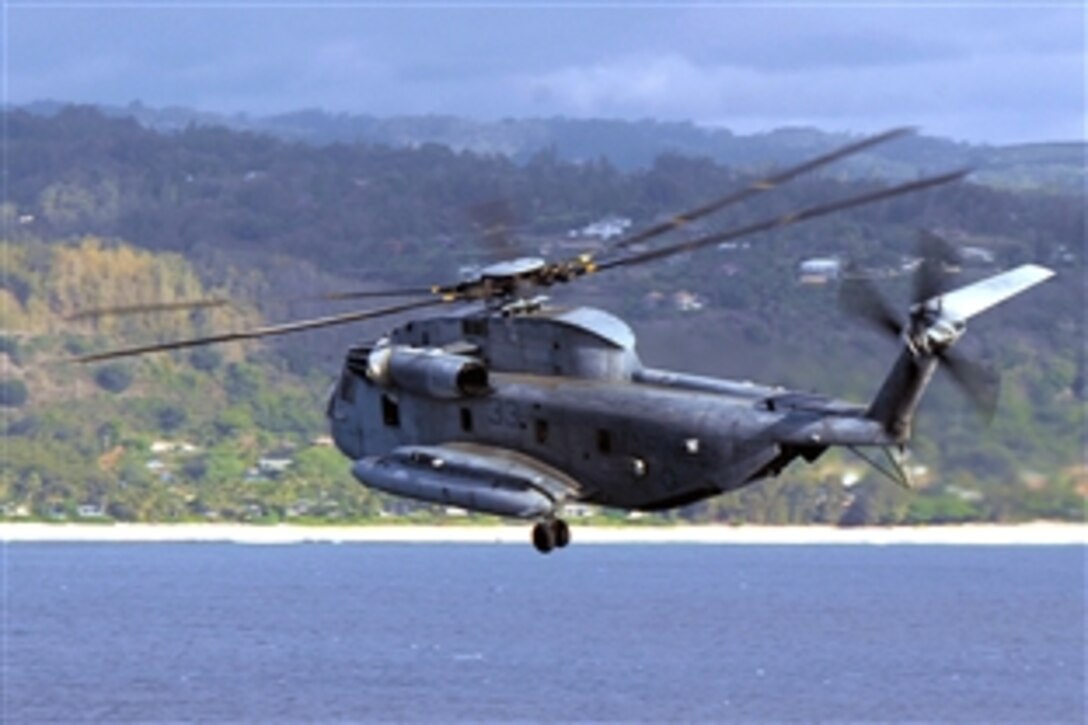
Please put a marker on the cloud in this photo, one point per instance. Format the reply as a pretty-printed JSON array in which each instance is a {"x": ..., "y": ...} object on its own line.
[
  {"x": 995, "y": 84},
  {"x": 974, "y": 71}
]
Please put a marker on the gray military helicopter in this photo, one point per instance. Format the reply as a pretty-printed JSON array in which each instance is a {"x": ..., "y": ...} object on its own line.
[{"x": 510, "y": 406}]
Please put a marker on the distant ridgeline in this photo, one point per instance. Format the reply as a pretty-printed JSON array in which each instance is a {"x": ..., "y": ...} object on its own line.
[
  {"x": 110, "y": 212},
  {"x": 631, "y": 145}
]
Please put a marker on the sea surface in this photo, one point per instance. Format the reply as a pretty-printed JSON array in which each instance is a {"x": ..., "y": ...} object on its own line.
[{"x": 226, "y": 632}]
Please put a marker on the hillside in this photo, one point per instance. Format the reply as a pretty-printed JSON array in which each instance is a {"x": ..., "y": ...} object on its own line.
[
  {"x": 635, "y": 145},
  {"x": 105, "y": 211}
]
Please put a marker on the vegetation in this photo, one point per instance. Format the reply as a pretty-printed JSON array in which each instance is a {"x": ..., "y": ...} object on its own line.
[
  {"x": 107, "y": 213},
  {"x": 115, "y": 378},
  {"x": 636, "y": 145},
  {"x": 13, "y": 393}
]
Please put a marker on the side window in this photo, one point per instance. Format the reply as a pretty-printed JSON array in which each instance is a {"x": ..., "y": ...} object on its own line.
[
  {"x": 541, "y": 428},
  {"x": 466, "y": 420},
  {"x": 390, "y": 412},
  {"x": 475, "y": 326},
  {"x": 604, "y": 441}
]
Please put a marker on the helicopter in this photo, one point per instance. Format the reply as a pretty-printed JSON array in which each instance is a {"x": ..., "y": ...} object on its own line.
[{"x": 508, "y": 405}]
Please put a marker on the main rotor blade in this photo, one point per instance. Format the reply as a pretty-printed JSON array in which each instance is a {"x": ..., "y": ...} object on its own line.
[
  {"x": 148, "y": 307},
  {"x": 369, "y": 294},
  {"x": 760, "y": 186},
  {"x": 262, "y": 331},
  {"x": 783, "y": 221},
  {"x": 981, "y": 384},
  {"x": 185, "y": 305}
]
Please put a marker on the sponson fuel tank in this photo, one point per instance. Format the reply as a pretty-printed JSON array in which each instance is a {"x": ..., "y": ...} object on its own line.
[{"x": 475, "y": 477}]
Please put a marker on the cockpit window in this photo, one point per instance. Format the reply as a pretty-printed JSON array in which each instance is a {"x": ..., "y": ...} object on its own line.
[{"x": 604, "y": 441}]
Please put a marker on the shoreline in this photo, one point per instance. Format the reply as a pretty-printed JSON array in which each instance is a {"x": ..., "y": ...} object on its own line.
[{"x": 1030, "y": 534}]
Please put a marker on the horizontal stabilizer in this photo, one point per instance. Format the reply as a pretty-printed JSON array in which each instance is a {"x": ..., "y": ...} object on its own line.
[{"x": 966, "y": 302}]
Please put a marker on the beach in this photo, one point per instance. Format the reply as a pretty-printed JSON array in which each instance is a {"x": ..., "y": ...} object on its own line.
[{"x": 1037, "y": 534}]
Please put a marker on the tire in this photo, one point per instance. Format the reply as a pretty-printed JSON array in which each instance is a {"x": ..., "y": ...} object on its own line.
[
  {"x": 560, "y": 533},
  {"x": 543, "y": 538}
]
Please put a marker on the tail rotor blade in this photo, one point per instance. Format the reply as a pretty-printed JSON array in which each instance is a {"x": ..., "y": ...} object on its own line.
[
  {"x": 934, "y": 252},
  {"x": 980, "y": 383},
  {"x": 859, "y": 297}
]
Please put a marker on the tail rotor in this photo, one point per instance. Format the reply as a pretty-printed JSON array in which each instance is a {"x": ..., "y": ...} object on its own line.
[{"x": 937, "y": 318}]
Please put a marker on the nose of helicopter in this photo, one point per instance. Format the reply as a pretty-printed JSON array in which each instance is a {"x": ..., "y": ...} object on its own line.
[
  {"x": 342, "y": 427},
  {"x": 348, "y": 438}
]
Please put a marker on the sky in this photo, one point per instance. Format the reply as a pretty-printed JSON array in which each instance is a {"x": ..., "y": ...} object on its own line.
[{"x": 996, "y": 72}]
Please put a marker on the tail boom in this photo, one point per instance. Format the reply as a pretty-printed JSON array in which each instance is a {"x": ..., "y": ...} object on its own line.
[{"x": 894, "y": 405}]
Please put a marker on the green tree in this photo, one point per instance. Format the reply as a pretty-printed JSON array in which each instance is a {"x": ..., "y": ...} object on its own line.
[
  {"x": 13, "y": 393},
  {"x": 233, "y": 420},
  {"x": 114, "y": 378},
  {"x": 225, "y": 465},
  {"x": 205, "y": 359},
  {"x": 876, "y": 502},
  {"x": 170, "y": 417},
  {"x": 244, "y": 381},
  {"x": 10, "y": 346}
]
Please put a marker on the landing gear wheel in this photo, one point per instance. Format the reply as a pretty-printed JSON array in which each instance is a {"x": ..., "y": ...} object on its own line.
[
  {"x": 543, "y": 537},
  {"x": 561, "y": 533}
]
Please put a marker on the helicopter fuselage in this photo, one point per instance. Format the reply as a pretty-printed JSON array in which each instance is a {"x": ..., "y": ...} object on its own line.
[{"x": 566, "y": 389}]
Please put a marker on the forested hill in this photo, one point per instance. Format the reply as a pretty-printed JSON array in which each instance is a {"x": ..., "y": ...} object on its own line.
[
  {"x": 105, "y": 211},
  {"x": 207, "y": 188},
  {"x": 633, "y": 145}
]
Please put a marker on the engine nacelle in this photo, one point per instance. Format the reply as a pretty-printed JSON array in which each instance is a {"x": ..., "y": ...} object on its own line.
[{"x": 430, "y": 372}]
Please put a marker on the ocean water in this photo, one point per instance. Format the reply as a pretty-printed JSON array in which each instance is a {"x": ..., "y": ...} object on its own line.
[{"x": 210, "y": 632}]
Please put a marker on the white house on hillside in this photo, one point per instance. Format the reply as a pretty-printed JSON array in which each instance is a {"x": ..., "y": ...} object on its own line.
[{"x": 819, "y": 270}]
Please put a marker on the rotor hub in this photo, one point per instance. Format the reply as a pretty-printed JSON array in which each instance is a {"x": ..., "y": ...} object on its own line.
[
  {"x": 514, "y": 269},
  {"x": 930, "y": 330}
]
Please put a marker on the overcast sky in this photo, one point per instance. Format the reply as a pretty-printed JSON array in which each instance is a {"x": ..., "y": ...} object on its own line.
[{"x": 996, "y": 72}]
